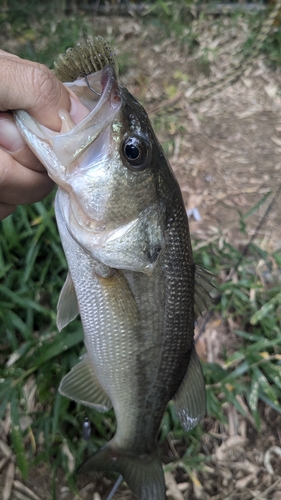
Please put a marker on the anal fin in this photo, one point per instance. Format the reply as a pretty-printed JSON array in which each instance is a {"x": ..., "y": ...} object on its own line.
[
  {"x": 67, "y": 308},
  {"x": 81, "y": 385},
  {"x": 190, "y": 398}
]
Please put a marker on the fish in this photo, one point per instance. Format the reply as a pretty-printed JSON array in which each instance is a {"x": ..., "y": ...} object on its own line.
[{"x": 131, "y": 274}]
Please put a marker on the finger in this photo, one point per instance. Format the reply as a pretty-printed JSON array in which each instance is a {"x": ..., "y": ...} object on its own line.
[
  {"x": 34, "y": 88},
  {"x": 20, "y": 185},
  {"x": 12, "y": 141},
  {"x": 6, "y": 210},
  {"x": 8, "y": 54}
]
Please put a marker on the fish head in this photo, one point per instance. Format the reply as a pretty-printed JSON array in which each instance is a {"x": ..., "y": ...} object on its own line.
[{"x": 106, "y": 169}]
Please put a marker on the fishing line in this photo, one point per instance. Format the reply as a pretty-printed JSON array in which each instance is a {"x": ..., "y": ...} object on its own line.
[
  {"x": 90, "y": 87},
  {"x": 264, "y": 218},
  {"x": 115, "y": 488}
]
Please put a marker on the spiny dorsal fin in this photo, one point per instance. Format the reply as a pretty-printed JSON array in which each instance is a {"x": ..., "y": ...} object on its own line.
[
  {"x": 202, "y": 291},
  {"x": 84, "y": 59}
]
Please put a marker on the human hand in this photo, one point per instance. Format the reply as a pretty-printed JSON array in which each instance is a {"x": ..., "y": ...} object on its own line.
[{"x": 34, "y": 88}]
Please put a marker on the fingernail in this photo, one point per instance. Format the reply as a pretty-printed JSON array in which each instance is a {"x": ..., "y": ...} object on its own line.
[{"x": 10, "y": 138}]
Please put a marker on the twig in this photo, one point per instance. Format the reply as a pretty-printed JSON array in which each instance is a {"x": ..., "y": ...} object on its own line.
[
  {"x": 25, "y": 490},
  {"x": 9, "y": 480}
]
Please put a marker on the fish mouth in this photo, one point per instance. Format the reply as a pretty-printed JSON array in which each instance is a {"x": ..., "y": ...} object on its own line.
[
  {"x": 66, "y": 151},
  {"x": 78, "y": 151},
  {"x": 88, "y": 145},
  {"x": 75, "y": 139},
  {"x": 95, "y": 89}
]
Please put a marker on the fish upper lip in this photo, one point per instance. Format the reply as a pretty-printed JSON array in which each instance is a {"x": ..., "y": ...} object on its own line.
[
  {"x": 110, "y": 85},
  {"x": 110, "y": 90},
  {"x": 108, "y": 76}
]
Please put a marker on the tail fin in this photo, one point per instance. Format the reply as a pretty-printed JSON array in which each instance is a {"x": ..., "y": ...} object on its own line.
[{"x": 144, "y": 476}]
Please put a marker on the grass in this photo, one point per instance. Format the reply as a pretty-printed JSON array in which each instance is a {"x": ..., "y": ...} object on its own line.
[
  {"x": 253, "y": 369},
  {"x": 23, "y": 32},
  {"x": 34, "y": 356},
  {"x": 271, "y": 46}
]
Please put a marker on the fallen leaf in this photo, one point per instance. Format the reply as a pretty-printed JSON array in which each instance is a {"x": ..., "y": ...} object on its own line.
[
  {"x": 276, "y": 140},
  {"x": 241, "y": 484},
  {"x": 172, "y": 488}
]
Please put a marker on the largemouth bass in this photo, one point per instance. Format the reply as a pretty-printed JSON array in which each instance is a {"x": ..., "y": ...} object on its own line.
[{"x": 124, "y": 230}]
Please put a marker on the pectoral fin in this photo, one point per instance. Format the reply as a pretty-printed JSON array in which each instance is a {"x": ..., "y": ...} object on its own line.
[
  {"x": 190, "y": 400},
  {"x": 67, "y": 308},
  {"x": 137, "y": 245},
  {"x": 82, "y": 385}
]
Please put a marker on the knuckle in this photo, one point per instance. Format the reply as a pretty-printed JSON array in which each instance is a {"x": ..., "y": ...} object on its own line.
[{"x": 44, "y": 84}]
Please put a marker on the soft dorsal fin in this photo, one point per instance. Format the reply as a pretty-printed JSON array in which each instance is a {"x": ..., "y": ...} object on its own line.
[{"x": 202, "y": 290}]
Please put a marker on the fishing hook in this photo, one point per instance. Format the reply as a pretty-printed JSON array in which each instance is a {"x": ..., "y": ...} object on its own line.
[
  {"x": 115, "y": 488},
  {"x": 89, "y": 86}
]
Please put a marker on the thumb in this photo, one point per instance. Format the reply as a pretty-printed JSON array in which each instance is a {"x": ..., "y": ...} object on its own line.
[{"x": 33, "y": 87}]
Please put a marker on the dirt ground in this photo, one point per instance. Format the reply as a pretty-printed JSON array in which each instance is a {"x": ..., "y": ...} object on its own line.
[{"x": 225, "y": 152}]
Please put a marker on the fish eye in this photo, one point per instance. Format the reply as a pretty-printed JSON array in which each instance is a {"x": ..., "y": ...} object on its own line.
[
  {"x": 136, "y": 152},
  {"x": 132, "y": 152}
]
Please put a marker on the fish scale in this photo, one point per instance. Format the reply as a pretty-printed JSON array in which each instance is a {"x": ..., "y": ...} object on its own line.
[{"x": 97, "y": 315}]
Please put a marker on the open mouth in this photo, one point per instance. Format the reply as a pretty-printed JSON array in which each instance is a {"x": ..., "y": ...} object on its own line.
[
  {"x": 97, "y": 88},
  {"x": 101, "y": 95},
  {"x": 60, "y": 152}
]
